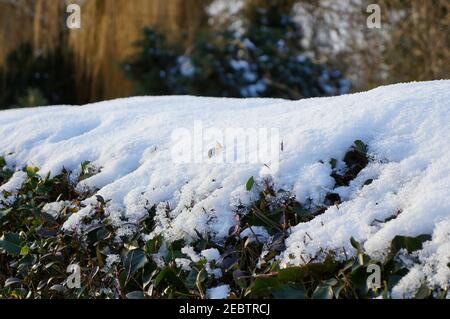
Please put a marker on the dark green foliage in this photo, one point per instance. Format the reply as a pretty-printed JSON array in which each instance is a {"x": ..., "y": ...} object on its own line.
[
  {"x": 31, "y": 80},
  {"x": 265, "y": 60},
  {"x": 273, "y": 40},
  {"x": 356, "y": 159},
  {"x": 250, "y": 184},
  {"x": 5, "y": 173},
  {"x": 214, "y": 69},
  {"x": 35, "y": 252},
  {"x": 154, "y": 70}
]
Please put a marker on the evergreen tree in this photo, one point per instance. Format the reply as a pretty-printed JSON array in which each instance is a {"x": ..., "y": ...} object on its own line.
[
  {"x": 277, "y": 53},
  {"x": 217, "y": 69},
  {"x": 155, "y": 70},
  {"x": 264, "y": 59}
]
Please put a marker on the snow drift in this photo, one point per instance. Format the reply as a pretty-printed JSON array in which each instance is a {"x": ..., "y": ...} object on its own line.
[{"x": 406, "y": 127}]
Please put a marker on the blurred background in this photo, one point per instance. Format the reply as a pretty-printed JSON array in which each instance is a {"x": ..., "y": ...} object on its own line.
[{"x": 289, "y": 49}]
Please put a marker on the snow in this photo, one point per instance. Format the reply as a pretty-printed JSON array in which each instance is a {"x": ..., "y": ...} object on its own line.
[
  {"x": 183, "y": 263},
  {"x": 14, "y": 183},
  {"x": 255, "y": 233},
  {"x": 211, "y": 254},
  {"x": 131, "y": 141},
  {"x": 11, "y": 187},
  {"x": 408, "y": 285},
  {"x": 55, "y": 208},
  {"x": 111, "y": 260},
  {"x": 219, "y": 292},
  {"x": 190, "y": 252}
]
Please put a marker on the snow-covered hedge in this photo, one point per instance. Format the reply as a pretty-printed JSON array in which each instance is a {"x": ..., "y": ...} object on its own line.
[{"x": 131, "y": 165}]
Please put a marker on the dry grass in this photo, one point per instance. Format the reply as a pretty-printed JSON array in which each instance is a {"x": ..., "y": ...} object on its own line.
[{"x": 109, "y": 27}]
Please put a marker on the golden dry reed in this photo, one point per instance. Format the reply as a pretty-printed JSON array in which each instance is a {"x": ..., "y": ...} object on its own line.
[{"x": 109, "y": 29}]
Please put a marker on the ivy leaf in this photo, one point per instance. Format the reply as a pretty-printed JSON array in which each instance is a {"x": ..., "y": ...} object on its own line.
[
  {"x": 12, "y": 281},
  {"x": 263, "y": 286},
  {"x": 99, "y": 256},
  {"x": 360, "y": 146},
  {"x": 423, "y": 292},
  {"x": 411, "y": 244},
  {"x": 250, "y": 184},
  {"x": 152, "y": 246},
  {"x": 24, "y": 251},
  {"x": 292, "y": 274},
  {"x": 169, "y": 276},
  {"x": 289, "y": 292},
  {"x": 358, "y": 278},
  {"x": 356, "y": 244},
  {"x": 85, "y": 166},
  {"x": 135, "y": 260},
  {"x": 58, "y": 288},
  {"x": 323, "y": 292},
  {"x": 333, "y": 163},
  {"x": 31, "y": 171},
  {"x": 338, "y": 288},
  {"x": 2, "y": 162},
  {"x": 360, "y": 250},
  {"x": 135, "y": 295},
  {"x": 5, "y": 212},
  {"x": 10, "y": 244}
]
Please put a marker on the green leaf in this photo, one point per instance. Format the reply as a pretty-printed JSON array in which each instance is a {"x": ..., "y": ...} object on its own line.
[
  {"x": 292, "y": 274},
  {"x": 393, "y": 280},
  {"x": 360, "y": 250},
  {"x": 338, "y": 288},
  {"x": 250, "y": 184},
  {"x": 135, "y": 260},
  {"x": 24, "y": 251},
  {"x": 5, "y": 212},
  {"x": 411, "y": 244},
  {"x": 12, "y": 281},
  {"x": 201, "y": 277},
  {"x": 148, "y": 273},
  {"x": 333, "y": 163},
  {"x": 123, "y": 279},
  {"x": 358, "y": 278},
  {"x": 423, "y": 292},
  {"x": 58, "y": 288},
  {"x": 169, "y": 276},
  {"x": 360, "y": 146},
  {"x": 99, "y": 256},
  {"x": 135, "y": 295},
  {"x": 262, "y": 287},
  {"x": 332, "y": 282},
  {"x": 300, "y": 210},
  {"x": 31, "y": 171},
  {"x": 356, "y": 244},
  {"x": 85, "y": 166},
  {"x": 10, "y": 244},
  {"x": 153, "y": 245},
  {"x": 298, "y": 274},
  {"x": 289, "y": 292},
  {"x": 239, "y": 278},
  {"x": 323, "y": 292},
  {"x": 2, "y": 162},
  {"x": 191, "y": 279}
]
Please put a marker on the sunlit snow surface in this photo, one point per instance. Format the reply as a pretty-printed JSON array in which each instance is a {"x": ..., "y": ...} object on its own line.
[{"x": 406, "y": 127}]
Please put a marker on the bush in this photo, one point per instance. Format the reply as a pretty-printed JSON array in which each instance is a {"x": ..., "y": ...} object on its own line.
[
  {"x": 266, "y": 59},
  {"x": 36, "y": 252}
]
